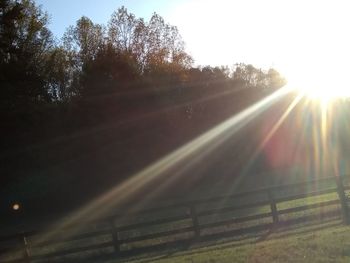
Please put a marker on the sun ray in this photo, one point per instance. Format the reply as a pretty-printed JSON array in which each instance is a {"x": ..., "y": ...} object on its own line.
[
  {"x": 275, "y": 127},
  {"x": 203, "y": 144}
]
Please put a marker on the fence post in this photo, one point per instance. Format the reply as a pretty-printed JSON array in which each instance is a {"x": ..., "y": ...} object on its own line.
[
  {"x": 273, "y": 206},
  {"x": 194, "y": 220},
  {"x": 343, "y": 200},
  {"x": 115, "y": 238},
  {"x": 25, "y": 248}
]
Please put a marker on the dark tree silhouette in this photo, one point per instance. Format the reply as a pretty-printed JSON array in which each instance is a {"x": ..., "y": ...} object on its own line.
[{"x": 25, "y": 39}]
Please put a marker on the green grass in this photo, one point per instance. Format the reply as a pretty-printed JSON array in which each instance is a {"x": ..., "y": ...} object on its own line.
[
  {"x": 326, "y": 242},
  {"x": 308, "y": 201},
  {"x": 277, "y": 247}
]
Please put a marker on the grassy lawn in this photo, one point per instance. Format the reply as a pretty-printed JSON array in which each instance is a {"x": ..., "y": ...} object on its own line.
[
  {"x": 326, "y": 242},
  {"x": 313, "y": 235}
]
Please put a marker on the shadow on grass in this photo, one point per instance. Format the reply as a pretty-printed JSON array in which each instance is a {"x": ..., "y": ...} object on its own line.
[
  {"x": 304, "y": 223},
  {"x": 217, "y": 241},
  {"x": 282, "y": 230}
]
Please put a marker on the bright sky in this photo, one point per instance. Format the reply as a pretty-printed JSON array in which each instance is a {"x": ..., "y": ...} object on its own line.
[{"x": 294, "y": 36}]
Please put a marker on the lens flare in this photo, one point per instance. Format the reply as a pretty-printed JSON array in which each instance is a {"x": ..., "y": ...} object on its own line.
[
  {"x": 16, "y": 206},
  {"x": 185, "y": 156}
]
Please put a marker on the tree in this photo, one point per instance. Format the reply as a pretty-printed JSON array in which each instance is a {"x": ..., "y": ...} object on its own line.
[
  {"x": 275, "y": 80},
  {"x": 156, "y": 45},
  {"x": 249, "y": 76},
  {"x": 122, "y": 30},
  {"x": 24, "y": 41},
  {"x": 61, "y": 71},
  {"x": 165, "y": 47},
  {"x": 81, "y": 45},
  {"x": 110, "y": 71},
  {"x": 85, "y": 39}
]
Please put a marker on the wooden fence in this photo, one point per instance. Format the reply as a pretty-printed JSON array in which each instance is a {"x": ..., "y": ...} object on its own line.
[{"x": 181, "y": 224}]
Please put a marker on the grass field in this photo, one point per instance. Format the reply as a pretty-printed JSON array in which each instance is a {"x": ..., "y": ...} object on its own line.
[
  {"x": 298, "y": 236},
  {"x": 323, "y": 242}
]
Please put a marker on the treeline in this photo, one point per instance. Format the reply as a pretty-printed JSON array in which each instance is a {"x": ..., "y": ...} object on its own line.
[
  {"x": 96, "y": 60},
  {"x": 93, "y": 63},
  {"x": 106, "y": 99}
]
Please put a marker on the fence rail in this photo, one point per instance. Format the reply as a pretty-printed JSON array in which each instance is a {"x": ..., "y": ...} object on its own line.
[{"x": 190, "y": 223}]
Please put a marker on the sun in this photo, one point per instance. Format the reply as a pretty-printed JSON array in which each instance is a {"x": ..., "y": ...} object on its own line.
[
  {"x": 324, "y": 93},
  {"x": 320, "y": 83}
]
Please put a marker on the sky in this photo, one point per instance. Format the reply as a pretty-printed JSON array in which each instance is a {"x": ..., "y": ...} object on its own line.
[
  {"x": 293, "y": 36},
  {"x": 64, "y": 13}
]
